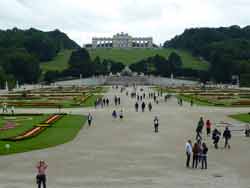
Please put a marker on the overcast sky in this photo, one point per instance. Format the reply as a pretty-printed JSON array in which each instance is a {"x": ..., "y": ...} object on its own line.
[{"x": 161, "y": 19}]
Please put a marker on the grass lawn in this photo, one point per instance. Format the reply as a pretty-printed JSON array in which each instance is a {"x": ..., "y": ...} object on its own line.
[
  {"x": 129, "y": 56},
  {"x": 60, "y": 62},
  {"x": 91, "y": 100},
  {"x": 241, "y": 117},
  {"x": 126, "y": 56},
  {"x": 61, "y": 132}
]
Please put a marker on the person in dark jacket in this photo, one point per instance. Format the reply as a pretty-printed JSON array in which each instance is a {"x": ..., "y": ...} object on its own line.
[
  {"x": 143, "y": 105},
  {"x": 199, "y": 129},
  {"x": 216, "y": 137},
  {"x": 227, "y": 137},
  {"x": 150, "y": 106},
  {"x": 136, "y": 106},
  {"x": 204, "y": 156},
  {"x": 195, "y": 155},
  {"x": 156, "y": 124}
]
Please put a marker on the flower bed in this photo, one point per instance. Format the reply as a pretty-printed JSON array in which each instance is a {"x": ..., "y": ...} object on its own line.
[
  {"x": 242, "y": 103},
  {"x": 37, "y": 129},
  {"x": 32, "y": 104}
]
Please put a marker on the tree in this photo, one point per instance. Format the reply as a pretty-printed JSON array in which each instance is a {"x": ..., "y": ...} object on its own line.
[
  {"x": 80, "y": 63},
  {"x": 175, "y": 60},
  {"x": 23, "y": 66}
]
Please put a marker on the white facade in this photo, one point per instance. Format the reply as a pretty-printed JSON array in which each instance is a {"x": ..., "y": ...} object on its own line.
[{"x": 122, "y": 40}]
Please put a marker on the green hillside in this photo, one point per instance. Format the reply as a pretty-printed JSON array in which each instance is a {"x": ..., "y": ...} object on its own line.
[
  {"x": 126, "y": 56},
  {"x": 59, "y": 63},
  {"x": 129, "y": 56}
]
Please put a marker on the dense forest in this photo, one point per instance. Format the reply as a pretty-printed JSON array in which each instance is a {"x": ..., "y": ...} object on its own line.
[
  {"x": 22, "y": 51},
  {"x": 226, "y": 48}
]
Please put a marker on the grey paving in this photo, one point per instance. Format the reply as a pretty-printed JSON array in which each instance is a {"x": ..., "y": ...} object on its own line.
[{"x": 128, "y": 153}]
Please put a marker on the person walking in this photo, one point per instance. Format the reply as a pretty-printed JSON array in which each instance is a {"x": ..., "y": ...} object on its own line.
[
  {"x": 156, "y": 124},
  {"x": 204, "y": 156},
  {"x": 114, "y": 114},
  {"x": 136, "y": 106},
  {"x": 90, "y": 118},
  {"x": 107, "y": 102},
  {"x": 116, "y": 100},
  {"x": 150, "y": 106},
  {"x": 247, "y": 130},
  {"x": 227, "y": 137},
  {"x": 208, "y": 127},
  {"x": 216, "y": 137},
  {"x": 195, "y": 155},
  {"x": 121, "y": 114},
  {"x": 143, "y": 105},
  {"x": 199, "y": 129},
  {"x": 12, "y": 110},
  {"x": 119, "y": 101},
  {"x": 41, "y": 176},
  {"x": 191, "y": 102},
  {"x": 188, "y": 149}
]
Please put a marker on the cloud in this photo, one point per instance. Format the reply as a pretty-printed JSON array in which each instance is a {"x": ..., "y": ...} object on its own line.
[{"x": 161, "y": 19}]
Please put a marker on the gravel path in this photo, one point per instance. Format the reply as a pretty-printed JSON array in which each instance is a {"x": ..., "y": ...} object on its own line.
[{"x": 127, "y": 153}]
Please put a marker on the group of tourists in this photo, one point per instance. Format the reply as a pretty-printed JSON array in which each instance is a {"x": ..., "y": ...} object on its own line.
[
  {"x": 216, "y": 134},
  {"x": 117, "y": 101},
  {"x": 115, "y": 114},
  {"x": 143, "y": 105},
  {"x": 5, "y": 109},
  {"x": 199, "y": 151},
  {"x": 102, "y": 102}
]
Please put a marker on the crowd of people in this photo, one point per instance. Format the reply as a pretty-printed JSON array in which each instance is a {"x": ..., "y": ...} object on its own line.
[
  {"x": 6, "y": 109},
  {"x": 196, "y": 152},
  {"x": 199, "y": 149}
]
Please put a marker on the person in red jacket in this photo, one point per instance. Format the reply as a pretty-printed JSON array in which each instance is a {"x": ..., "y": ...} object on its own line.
[{"x": 208, "y": 126}]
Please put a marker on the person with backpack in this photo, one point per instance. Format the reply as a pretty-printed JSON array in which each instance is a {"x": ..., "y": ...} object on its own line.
[
  {"x": 227, "y": 137},
  {"x": 216, "y": 137},
  {"x": 121, "y": 114},
  {"x": 156, "y": 124}
]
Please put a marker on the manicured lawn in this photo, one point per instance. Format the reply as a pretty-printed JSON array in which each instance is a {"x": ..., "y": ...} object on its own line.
[
  {"x": 126, "y": 56},
  {"x": 91, "y": 100},
  {"x": 60, "y": 62},
  {"x": 61, "y": 132},
  {"x": 241, "y": 117},
  {"x": 129, "y": 56}
]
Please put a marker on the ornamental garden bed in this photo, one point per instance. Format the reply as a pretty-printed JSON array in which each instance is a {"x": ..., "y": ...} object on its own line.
[
  {"x": 37, "y": 129},
  {"x": 62, "y": 131}
]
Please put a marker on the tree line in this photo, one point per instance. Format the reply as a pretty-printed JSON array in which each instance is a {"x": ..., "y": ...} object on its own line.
[
  {"x": 226, "y": 48},
  {"x": 22, "y": 52},
  {"x": 80, "y": 63}
]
